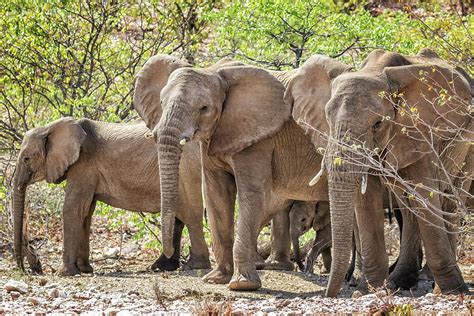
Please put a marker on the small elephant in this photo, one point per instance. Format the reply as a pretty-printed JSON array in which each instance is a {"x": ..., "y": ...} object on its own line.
[
  {"x": 306, "y": 215},
  {"x": 112, "y": 163}
]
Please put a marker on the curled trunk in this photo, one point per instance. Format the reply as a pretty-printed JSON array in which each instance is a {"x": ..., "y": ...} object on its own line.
[{"x": 169, "y": 154}]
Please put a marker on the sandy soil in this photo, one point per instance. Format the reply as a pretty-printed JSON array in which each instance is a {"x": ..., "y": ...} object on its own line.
[{"x": 122, "y": 284}]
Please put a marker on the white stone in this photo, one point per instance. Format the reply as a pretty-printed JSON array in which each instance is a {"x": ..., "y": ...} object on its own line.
[{"x": 16, "y": 286}]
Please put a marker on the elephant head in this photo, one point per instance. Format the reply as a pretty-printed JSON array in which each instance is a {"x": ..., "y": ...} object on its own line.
[
  {"x": 46, "y": 153},
  {"x": 301, "y": 220},
  {"x": 364, "y": 119},
  {"x": 226, "y": 107}
]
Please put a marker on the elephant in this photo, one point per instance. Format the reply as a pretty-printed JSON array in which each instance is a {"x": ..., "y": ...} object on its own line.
[
  {"x": 367, "y": 113},
  {"x": 304, "y": 216},
  {"x": 250, "y": 149},
  {"x": 112, "y": 163}
]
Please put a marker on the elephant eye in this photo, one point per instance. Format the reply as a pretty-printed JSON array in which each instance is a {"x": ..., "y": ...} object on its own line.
[
  {"x": 204, "y": 109},
  {"x": 377, "y": 125},
  {"x": 26, "y": 159},
  {"x": 303, "y": 220}
]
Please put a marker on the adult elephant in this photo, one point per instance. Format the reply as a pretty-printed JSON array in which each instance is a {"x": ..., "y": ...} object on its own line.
[
  {"x": 112, "y": 163},
  {"x": 249, "y": 146},
  {"x": 361, "y": 117}
]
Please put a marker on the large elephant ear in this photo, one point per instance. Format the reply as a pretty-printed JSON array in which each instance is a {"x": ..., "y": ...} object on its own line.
[
  {"x": 64, "y": 138},
  {"x": 310, "y": 89},
  {"x": 434, "y": 102},
  {"x": 149, "y": 82},
  {"x": 253, "y": 109}
]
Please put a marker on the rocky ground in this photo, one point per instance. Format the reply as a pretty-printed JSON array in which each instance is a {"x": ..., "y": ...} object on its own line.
[{"x": 123, "y": 285}]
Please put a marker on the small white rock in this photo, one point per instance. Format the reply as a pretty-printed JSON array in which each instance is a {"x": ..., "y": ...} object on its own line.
[
  {"x": 16, "y": 286},
  {"x": 112, "y": 252}
]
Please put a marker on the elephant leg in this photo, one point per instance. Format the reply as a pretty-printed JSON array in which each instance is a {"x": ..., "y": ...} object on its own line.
[
  {"x": 253, "y": 172},
  {"x": 321, "y": 243},
  {"x": 199, "y": 257},
  {"x": 398, "y": 216},
  {"x": 405, "y": 273},
  {"x": 171, "y": 264},
  {"x": 327, "y": 259},
  {"x": 279, "y": 258},
  {"x": 439, "y": 253},
  {"x": 77, "y": 213},
  {"x": 220, "y": 192},
  {"x": 83, "y": 262},
  {"x": 352, "y": 265},
  {"x": 355, "y": 274},
  {"x": 370, "y": 222}
]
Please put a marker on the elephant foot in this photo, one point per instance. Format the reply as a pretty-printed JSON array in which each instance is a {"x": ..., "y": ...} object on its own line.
[
  {"x": 165, "y": 264},
  {"x": 69, "y": 270},
  {"x": 425, "y": 274},
  {"x": 85, "y": 268},
  {"x": 249, "y": 281},
  {"x": 197, "y": 263},
  {"x": 285, "y": 265},
  {"x": 217, "y": 276},
  {"x": 403, "y": 280}
]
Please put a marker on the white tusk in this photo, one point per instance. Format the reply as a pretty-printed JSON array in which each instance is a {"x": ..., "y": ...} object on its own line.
[
  {"x": 183, "y": 141},
  {"x": 363, "y": 186},
  {"x": 317, "y": 177}
]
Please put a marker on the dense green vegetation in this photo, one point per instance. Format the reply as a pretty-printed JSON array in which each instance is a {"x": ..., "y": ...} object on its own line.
[{"x": 78, "y": 58}]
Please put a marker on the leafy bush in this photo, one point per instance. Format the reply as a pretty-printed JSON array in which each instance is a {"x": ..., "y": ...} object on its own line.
[{"x": 79, "y": 58}]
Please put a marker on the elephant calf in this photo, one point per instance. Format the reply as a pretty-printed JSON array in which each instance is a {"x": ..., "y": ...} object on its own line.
[
  {"x": 306, "y": 215},
  {"x": 112, "y": 163}
]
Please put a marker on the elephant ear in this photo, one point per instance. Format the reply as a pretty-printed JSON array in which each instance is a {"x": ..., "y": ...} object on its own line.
[
  {"x": 63, "y": 145},
  {"x": 253, "y": 109},
  {"x": 149, "y": 82},
  {"x": 434, "y": 101},
  {"x": 309, "y": 91}
]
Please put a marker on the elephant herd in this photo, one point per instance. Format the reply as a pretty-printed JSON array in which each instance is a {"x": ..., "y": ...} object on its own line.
[{"x": 235, "y": 134}]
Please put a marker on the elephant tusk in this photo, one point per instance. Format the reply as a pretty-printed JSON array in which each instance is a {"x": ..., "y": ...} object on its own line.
[
  {"x": 318, "y": 176},
  {"x": 183, "y": 141},
  {"x": 363, "y": 186}
]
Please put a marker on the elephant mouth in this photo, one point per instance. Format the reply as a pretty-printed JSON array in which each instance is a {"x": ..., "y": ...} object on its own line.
[{"x": 188, "y": 135}]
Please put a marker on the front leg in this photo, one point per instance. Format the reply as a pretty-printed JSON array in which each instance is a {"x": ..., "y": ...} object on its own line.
[
  {"x": 438, "y": 249},
  {"x": 370, "y": 222},
  {"x": 220, "y": 192},
  {"x": 279, "y": 258},
  {"x": 79, "y": 205},
  {"x": 405, "y": 273},
  {"x": 321, "y": 244},
  {"x": 252, "y": 169},
  {"x": 171, "y": 264}
]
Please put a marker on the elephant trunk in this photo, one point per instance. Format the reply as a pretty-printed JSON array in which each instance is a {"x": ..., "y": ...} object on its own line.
[
  {"x": 345, "y": 168},
  {"x": 296, "y": 252},
  {"x": 169, "y": 155},
  {"x": 19, "y": 192}
]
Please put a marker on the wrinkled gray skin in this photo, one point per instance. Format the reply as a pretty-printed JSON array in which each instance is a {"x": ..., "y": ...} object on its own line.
[
  {"x": 112, "y": 163},
  {"x": 249, "y": 145},
  {"x": 303, "y": 217},
  {"x": 354, "y": 110}
]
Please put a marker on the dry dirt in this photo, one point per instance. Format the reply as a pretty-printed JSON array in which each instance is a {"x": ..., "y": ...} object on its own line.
[{"x": 122, "y": 284}]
